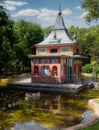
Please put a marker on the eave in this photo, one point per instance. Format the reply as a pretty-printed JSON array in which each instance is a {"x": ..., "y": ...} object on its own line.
[{"x": 55, "y": 56}]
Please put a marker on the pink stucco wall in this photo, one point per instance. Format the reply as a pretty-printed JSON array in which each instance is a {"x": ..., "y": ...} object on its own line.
[
  {"x": 48, "y": 48},
  {"x": 50, "y": 77},
  {"x": 74, "y": 49},
  {"x": 59, "y": 77}
]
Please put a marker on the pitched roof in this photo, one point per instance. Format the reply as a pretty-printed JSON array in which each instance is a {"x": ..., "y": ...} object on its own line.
[{"x": 59, "y": 33}]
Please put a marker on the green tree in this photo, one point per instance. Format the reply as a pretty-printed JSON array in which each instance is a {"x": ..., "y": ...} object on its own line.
[
  {"x": 83, "y": 39},
  {"x": 27, "y": 35},
  {"x": 47, "y": 30},
  {"x": 88, "y": 39},
  {"x": 95, "y": 49},
  {"x": 7, "y": 56},
  {"x": 6, "y": 40},
  {"x": 92, "y": 7}
]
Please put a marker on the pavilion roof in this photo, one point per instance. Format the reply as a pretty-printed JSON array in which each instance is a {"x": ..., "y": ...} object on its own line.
[{"x": 59, "y": 33}]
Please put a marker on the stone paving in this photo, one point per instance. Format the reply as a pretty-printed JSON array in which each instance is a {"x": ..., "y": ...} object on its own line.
[
  {"x": 25, "y": 80},
  {"x": 94, "y": 104}
]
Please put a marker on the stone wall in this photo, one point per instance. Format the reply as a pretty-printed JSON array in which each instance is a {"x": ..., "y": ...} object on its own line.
[
  {"x": 94, "y": 118},
  {"x": 94, "y": 104}
]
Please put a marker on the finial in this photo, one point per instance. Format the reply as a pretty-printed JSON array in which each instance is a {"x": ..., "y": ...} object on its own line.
[{"x": 59, "y": 10}]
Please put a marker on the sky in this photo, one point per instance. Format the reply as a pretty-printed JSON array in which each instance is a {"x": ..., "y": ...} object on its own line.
[{"x": 44, "y": 12}]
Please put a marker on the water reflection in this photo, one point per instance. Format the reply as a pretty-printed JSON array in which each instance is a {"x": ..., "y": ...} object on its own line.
[
  {"x": 28, "y": 126},
  {"x": 50, "y": 111},
  {"x": 9, "y": 99}
]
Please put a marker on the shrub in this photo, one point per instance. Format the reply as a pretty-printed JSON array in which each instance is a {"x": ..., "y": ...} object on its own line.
[
  {"x": 87, "y": 68},
  {"x": 97, "y": 69}
]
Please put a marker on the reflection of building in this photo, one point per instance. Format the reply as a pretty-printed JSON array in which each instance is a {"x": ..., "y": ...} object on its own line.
[{"x": 57, "y": 58}]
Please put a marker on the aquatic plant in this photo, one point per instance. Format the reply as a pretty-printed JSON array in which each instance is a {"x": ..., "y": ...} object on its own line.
[{"x": 45, "y": 110}]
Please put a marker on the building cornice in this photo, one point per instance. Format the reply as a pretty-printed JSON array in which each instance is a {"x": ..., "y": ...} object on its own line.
[{"x": 55, "y": 56}]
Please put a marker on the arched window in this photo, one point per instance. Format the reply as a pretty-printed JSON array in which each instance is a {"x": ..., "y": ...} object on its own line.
[
  {"x": 54, "y": 71},
  {"x": 36, "y": 70}
]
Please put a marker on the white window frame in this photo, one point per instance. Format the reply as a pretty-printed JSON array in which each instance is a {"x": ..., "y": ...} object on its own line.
[
  {"x": 42, "y": 49},
  {"x": 44, "y": 61},
  {"x": 36, "y": 61},
  {"x": 54, "y": 60},
  {"x": 65, "y": 49}
]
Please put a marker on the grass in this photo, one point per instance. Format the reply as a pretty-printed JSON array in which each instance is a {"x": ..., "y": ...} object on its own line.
[
  {"x": 3, "y": 82},
  {"x": 97, "y": 101},
  {"x": 93, "y": 127}
]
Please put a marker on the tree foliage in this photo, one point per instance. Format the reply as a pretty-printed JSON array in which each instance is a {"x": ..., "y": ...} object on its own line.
[
  {"x": 16, "y": 43},
  {"x": 92, "y": 7},
  {"x": 87, "y": 68},
  {"x": 27, "y": 34},
  {"x": 88, "y": 40},
  {"x": 47, "y": 30},
  {"x": 6, "y": 40}
]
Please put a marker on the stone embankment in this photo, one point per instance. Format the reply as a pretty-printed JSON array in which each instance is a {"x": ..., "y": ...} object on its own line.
[
  {"x": 90, "y": 75},
  {"x": 94, "y": 104},
  {"x": 80, "y": 126},
  {"x": 89, "y": 117}
]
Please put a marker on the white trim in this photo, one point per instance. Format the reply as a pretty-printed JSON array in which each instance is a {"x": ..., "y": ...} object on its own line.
[
  {"x": 44, "y": 61},
  {"x": 54, "y": 61},
  {"x": 42, "y": 50},
  {"x": 36, "y": 61}
]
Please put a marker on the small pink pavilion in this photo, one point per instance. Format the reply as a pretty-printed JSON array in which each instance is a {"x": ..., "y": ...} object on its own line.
[{"x": 58, "y": 57}]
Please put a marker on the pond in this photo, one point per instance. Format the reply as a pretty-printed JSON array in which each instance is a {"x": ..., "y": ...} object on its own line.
[{"x": 50, "y": 112}]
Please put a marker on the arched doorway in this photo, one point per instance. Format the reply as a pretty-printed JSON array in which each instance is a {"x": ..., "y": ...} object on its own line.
[
  {"x": 36, "y": 70},
  {"x": 54, "y": 71}
]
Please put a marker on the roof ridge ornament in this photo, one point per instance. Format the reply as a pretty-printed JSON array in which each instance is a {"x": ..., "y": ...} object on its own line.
[
  {"x": 59, "y": 10},
  {"x": 59, "y": 7}
]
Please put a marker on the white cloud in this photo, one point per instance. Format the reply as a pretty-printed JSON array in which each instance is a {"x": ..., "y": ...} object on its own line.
[
  {"x": 27, "y": 12},
  {"x": 42, "y": 14},
  {"x": 46, "y": 15},
  {"x": 83, "y": 15},
  {"x": 19, "y": 3},
  {"x": 10, "y": 8},
  {"x": 78, "y": 8},
  {"x": 50, "y": 15},
  {"x": 67, "y": 12},
  {"x": 11, "y": 5}
]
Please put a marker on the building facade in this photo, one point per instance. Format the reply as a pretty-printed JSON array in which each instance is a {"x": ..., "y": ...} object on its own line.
[{"x": 58, "y": 57}]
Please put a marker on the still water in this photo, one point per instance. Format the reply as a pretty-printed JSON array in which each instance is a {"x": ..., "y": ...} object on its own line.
[{"x": 50, "y": 112}]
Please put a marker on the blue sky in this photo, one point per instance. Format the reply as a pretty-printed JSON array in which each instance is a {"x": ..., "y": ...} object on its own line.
[{"x": 44, "y": 12}]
